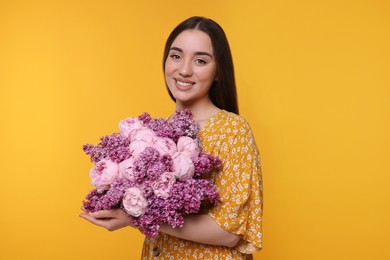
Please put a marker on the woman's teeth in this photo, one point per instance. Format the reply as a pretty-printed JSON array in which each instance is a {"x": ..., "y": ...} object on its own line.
[{"x": 184, "y": 84}]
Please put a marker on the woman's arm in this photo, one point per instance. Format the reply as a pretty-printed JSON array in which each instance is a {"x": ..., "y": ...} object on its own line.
[
  {"x": 202, "y": 229},
  {"x": 197, "y": 228}
]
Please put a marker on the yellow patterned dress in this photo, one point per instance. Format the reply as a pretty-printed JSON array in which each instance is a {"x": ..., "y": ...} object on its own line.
[{"x": 239, "y": 184}]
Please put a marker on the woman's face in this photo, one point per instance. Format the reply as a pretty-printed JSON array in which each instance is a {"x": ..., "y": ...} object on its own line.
[{"x": 190, "y": 68}]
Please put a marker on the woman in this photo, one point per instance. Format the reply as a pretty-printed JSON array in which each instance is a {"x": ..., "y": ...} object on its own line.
[{"x": 199, "y": 76}]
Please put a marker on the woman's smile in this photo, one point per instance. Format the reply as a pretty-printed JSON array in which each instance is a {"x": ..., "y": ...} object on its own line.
[{"x": 184, "y": 84}]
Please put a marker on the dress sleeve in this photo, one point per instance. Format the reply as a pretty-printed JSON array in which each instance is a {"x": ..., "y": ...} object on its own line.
[{"x": 240, "y": 187}]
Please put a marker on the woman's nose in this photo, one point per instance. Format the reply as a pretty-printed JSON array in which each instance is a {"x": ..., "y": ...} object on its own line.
[{"x": 186, "y": 69}]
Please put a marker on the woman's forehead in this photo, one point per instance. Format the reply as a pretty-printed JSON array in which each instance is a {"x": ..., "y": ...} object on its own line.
[{"x": 193, "y": 41}]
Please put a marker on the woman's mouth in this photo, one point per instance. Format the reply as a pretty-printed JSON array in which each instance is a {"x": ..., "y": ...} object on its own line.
[{"x": 184, "y": 83}]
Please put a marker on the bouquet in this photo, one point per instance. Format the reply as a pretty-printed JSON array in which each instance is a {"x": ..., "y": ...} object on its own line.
[{"x": 153, "y": 170}]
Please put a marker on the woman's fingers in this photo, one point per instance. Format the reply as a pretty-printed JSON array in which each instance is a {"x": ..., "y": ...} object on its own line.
[
  {"x": 103, "y": 214},
  {"x": 109, "y": 219},
  {"x": 88, "y": 217},
  {"x": 100, "y": 214},
  {"x": 102, "y": 222}
]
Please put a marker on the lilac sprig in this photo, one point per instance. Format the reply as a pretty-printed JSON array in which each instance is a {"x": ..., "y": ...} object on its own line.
[
  {"x": 183, "y": 125},
  {"x": 205, "y": 163},
  {"x": 180, "y": 124},
  {"x": 145, "y": 118},
  {"x": 150, "y": 165},
  {"x": 109, "y": 199},
  {"x": 113, "y": 146},
  {"x": 161, "y": 127},
  {"x": 185, "y": 198}
]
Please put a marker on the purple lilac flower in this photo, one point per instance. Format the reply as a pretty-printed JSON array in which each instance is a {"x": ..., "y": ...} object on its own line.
[
  {"x": 120, "y": 154},
  {"x": 141, "y": 166},
  {"x": 146, "y": 188},
  {"x": 205, "y": 163},
  {"x": 145, "y": 118},
  {"x": 161, "y": 128},
  {"x": 111, "y": 146},
  {"x": 97, "y": 153},
  {"x": 108, "y": 199},
  {"x": 114, "y": 141},
  {"x": 183, "y": 125},
  {"x": 185, "y": 198},
  {"x": 156, "y": 169},
  {"x": 166, "y": 159}
]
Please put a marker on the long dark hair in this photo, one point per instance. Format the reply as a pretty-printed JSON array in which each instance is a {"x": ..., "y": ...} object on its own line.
[{"x": 223, "y": 92}]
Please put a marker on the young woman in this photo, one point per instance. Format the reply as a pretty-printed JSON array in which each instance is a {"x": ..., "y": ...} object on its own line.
[{"x": 199, "y": 76}]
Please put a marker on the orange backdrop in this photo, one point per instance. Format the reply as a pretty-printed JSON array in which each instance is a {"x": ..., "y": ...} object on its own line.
[{"x": 313, "y": 81}]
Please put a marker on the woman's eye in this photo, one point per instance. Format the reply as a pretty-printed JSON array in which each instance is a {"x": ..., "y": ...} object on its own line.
[
  {"x": 174, "y": 56},
  {"x": 200, "y": 61}
]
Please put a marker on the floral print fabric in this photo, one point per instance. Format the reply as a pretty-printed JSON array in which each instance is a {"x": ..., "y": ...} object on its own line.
[{"x": 229, "y": 137}]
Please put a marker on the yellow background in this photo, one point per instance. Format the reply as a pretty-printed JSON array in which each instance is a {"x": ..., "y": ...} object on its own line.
[{"x": 313, "y": 81}]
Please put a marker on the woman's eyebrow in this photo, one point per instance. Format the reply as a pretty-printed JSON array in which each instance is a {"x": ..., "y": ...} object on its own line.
[
  {"x": 177, "y": 49},
  {"x": 196, "y": 53}
]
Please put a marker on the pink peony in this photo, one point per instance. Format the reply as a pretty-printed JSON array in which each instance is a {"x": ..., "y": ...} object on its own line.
[
  {"x": 164, "y": 146},
  {"x": 134, "y": 202},
  {"x": 162, "y": 186},
  {"x": 183, "y": 166},
  {"x": 126, "y": 169},
  {"x": 129, "y": 125},
  {"x": 186, "y": 145},
  {"x": 103, "y": 174},
  {"x": 137, "y": 147},
  {"x": 142, "y": 134}
]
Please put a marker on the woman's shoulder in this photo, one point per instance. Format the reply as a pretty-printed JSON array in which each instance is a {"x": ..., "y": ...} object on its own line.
[
  {"x": 234, "y": 121},
  {"x": 226, "y": 124}
]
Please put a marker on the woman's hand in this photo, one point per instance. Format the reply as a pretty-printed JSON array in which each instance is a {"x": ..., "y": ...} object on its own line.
[{"x": 109, "y": 219}]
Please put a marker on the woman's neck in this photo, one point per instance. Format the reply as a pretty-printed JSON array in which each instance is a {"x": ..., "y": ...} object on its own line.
[{"x": 202, "y": 111}]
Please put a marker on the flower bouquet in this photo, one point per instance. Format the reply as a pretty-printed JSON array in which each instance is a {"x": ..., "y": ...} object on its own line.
[{"x": 153, "y": 170}]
